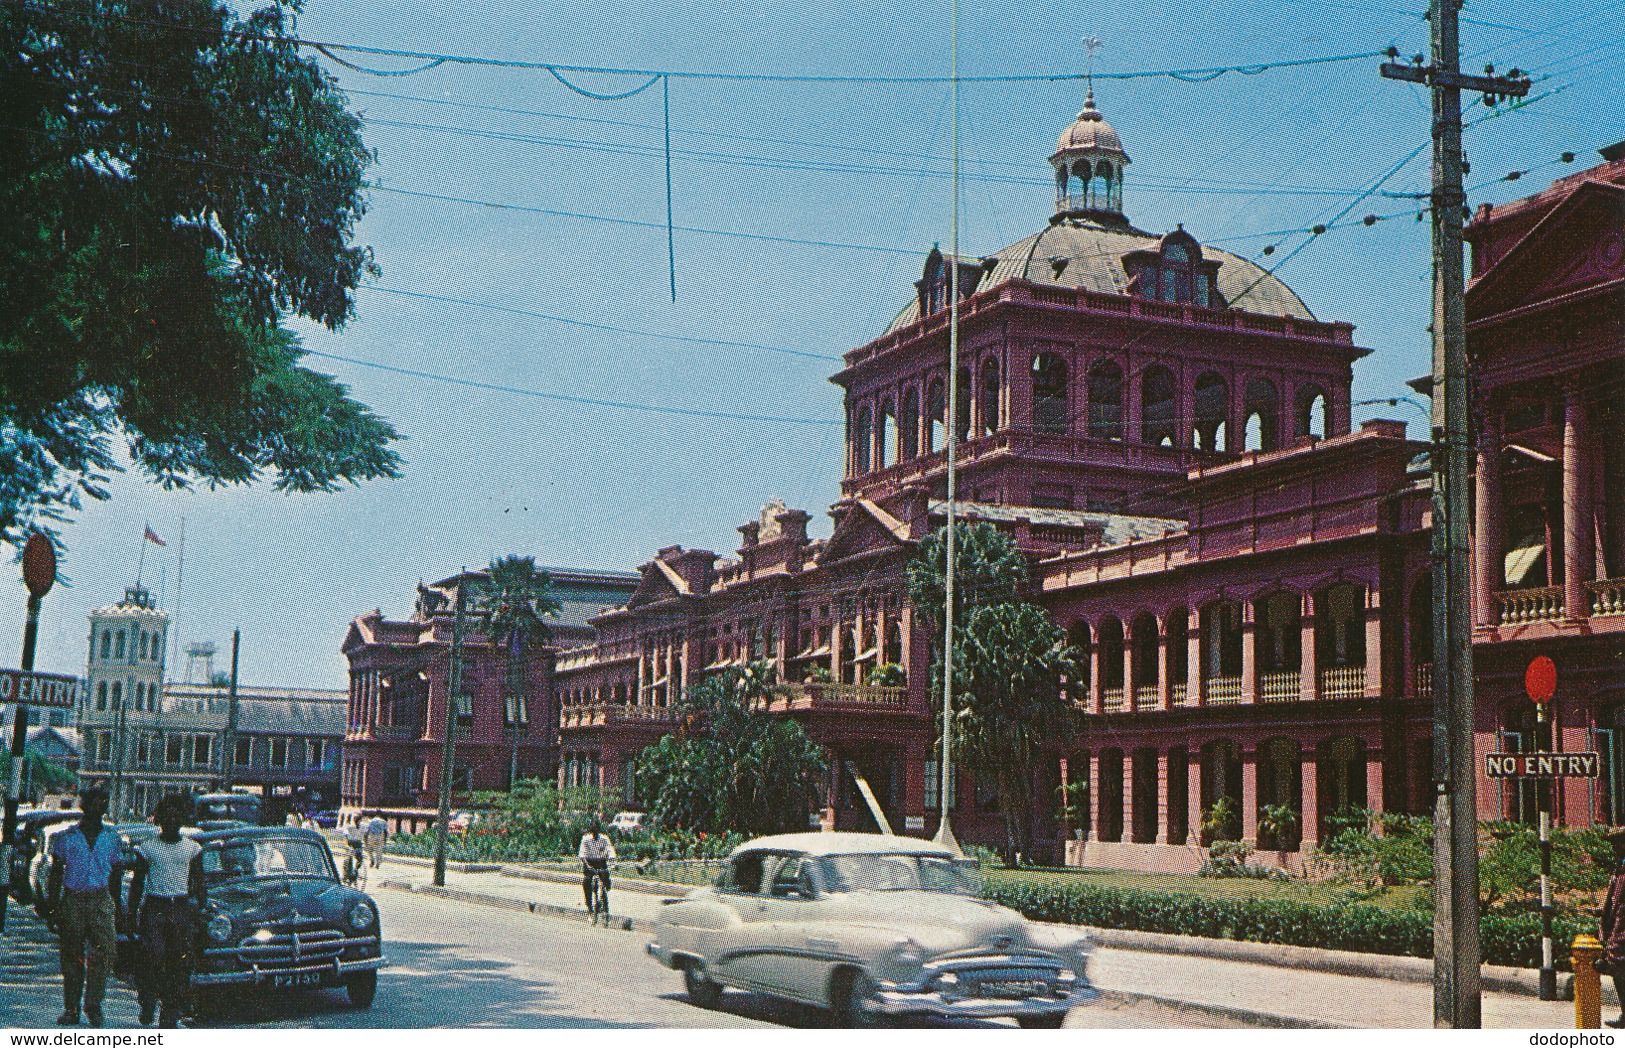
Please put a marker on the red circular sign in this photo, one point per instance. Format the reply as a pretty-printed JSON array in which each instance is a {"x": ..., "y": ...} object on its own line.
[
  {"x": 39, "y": 565},
  {"x": 1540, "y": 680}
]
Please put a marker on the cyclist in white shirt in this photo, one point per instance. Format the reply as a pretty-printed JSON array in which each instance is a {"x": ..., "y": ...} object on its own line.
[{"x": 596, "y": 853}]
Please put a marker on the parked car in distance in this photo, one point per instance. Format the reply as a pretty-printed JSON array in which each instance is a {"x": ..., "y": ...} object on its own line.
[
  {"x": 868, "y": 926},
  {"x": 277, "y": 916},
  {"x": 325, "y": 820},
  {"x": 216, "y": 811},
  {"x": 30, "y": 829},
  {"x": 628, "y": 822}
]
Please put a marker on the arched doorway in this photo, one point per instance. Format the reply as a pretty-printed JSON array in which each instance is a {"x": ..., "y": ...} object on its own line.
[
  {"x": 1280, "y": 792},
  {"x": 1221, "y": 785}
]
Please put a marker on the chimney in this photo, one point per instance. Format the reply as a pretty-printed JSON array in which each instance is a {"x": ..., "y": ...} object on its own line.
[{"x": 696, "y": 566}]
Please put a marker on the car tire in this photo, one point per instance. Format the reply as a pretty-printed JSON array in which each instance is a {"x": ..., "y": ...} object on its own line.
[
  {"x": 701, "y": 989},
  {"x": 1041, "y": 1022},
  {"x": 849, "y": 993},
  {"x": 362, "y": 988}
]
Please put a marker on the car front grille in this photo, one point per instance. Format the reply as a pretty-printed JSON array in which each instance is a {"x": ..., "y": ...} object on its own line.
[
  {"x": 291, "y": 944},
  {"x": 1008, "y": 982}
]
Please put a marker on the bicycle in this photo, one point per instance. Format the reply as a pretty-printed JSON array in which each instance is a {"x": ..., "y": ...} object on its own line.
[{"x": 597, "y": 878}]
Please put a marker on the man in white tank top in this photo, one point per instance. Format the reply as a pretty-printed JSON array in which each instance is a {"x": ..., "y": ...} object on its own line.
[{"x": 168, "y": 878}]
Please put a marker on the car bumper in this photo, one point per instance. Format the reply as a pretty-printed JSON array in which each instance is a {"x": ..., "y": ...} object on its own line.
[
  {"x": 904, "y": 1002},
  {"x": 311, "y": 974}
]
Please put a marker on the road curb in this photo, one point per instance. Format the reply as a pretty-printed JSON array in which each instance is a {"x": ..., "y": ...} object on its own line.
[
  {"x": 505, "y": 902},
  {"x": 1225, "y": 1011},
  {"x": 665, "y": 889}
]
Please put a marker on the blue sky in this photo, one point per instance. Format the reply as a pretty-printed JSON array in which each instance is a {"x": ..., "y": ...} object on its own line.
[{"x": 489, "y": 473}]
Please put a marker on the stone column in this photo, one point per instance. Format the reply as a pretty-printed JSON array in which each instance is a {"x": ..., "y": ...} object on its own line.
[
  {"x": 1309, "y": 813},
  {"x": 1127, "y": 836},
  {"x": 1373, "y": 781},
  {"x": 1095, "y": 664},
  {"x": 1128, "y": 669},
  {"x": 1165, "y": 684},
  {"x": 1193, "y": 662},
  {"x": 1193, "y": 795},
  {"x": 1249, "y": 796},
  {"x": 1488, "y": 542},
  {"x": 1373, "y": 643},
  {"x": 1185, "y": 412},
  {"x": 1579, "y": 541},
  {"x": 1249, "y": 653},
  {"x": 1097, "y": 816},
  {"x": 1162, "y": 796},
  {"x": 1308, "y": 677}
]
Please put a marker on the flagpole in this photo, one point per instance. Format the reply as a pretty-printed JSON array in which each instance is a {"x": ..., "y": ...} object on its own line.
[
  {"x": 141, "y": 558},
  {"x": 175, "y": 609}
]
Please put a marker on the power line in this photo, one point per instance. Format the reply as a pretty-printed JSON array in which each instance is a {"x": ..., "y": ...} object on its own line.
[
  {"x": 594, "y": 324},
  {"x": 657, "y": 409}
]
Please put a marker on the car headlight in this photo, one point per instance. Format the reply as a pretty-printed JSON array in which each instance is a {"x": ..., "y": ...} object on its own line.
[
  {"x": 362, "y": 915},
  {"x": 220, "y": 927}
]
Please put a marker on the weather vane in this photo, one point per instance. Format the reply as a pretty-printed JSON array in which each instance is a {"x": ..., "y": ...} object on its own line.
[{"x": 1091, "y": 44}]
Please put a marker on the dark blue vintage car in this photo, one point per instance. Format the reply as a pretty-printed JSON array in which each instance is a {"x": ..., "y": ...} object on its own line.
[{"x": 278, "y": 917}]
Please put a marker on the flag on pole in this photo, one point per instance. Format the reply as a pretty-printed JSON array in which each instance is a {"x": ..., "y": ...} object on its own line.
[{"x": 152, "y": 537}]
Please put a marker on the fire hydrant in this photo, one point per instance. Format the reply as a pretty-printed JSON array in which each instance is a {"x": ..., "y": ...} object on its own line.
[{"x": 1587, "y": 983}]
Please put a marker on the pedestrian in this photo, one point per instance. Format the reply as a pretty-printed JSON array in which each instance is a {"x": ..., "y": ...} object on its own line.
[
  {"x": 375, "y": 834},
  {"x": 167, "y": 891},
  {"x": 1613, "y": 924},
  {"x": 80, "y": 899}
]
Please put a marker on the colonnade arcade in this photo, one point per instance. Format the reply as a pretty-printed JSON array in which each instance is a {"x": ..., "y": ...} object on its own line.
[{"x": 1101, "y": 396}]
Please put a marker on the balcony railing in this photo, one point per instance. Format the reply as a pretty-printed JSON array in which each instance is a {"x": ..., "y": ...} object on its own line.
[
  {"x": 1607, "y": 596},
  {"x": 393, "y": 732},
  {"x": 1222, "y": 691},
  {"x": 599, "y": 714},
  {"x": 1145, "y": 696},
  {"x": 1529, "y": 605},
  {"x": 1177, "y": 693},
  {"x": 841, "y": 694},
  {"x": 1111, "y": 699},
  {"x": 1342, "y": 682},
  {"x": 1424, "y": 680},
  {"x": 1279, "y": 687}
]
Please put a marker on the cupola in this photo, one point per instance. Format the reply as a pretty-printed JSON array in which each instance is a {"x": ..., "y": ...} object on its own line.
[{"x": 1089, "y": 162}]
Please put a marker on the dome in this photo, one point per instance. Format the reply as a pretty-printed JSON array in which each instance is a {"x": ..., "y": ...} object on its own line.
[
  {"x": 1083, "y": 254},
  {"x": 1089, "y": 131}
]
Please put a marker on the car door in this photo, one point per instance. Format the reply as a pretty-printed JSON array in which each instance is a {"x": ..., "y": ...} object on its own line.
[
  {"x": 735, "y": 958},
  {"x": 803, "y": 948}
]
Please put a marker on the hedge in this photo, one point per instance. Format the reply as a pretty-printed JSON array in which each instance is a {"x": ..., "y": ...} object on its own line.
[{"x": 1507, "y": 938}]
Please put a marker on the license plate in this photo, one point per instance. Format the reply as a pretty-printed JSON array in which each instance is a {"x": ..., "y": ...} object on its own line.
[
  {"x": 297, "y": 979},
  {"x": 1015, "y": 988}
]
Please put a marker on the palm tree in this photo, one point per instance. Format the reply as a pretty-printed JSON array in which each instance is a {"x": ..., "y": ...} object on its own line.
[{"x": 514, "y": 600}]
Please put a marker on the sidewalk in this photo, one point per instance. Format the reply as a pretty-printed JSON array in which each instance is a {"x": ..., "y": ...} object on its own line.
[
  {"x": 31, "y": 981},
  {"x": 1262, "y": 994}
]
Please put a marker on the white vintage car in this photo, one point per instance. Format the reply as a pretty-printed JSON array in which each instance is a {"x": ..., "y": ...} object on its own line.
[{"x": 868, "y": 926}]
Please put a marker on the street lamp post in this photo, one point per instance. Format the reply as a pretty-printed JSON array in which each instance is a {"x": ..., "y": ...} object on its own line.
[{"x": 448, "y": 749}]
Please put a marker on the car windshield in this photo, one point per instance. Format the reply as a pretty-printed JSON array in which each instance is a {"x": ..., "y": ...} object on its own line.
[
  {"x": 274, "y": 857},
  {"x": 896, "y": 873}
]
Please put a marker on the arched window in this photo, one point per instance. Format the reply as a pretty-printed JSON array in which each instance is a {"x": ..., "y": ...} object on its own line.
[
  {"x": 989, "y": 400},
  {"x": 908, "y": 425},
  {"x": 101, "y": 695},
  {"x": 118, "y": 645},
  {"x": 1313, "y": 419},
  {"x": 1049, "y": 394},
  {"x": 1083, "y": 644},
  {"x": 886, "y": 452},
  {"x": 1146, "y": 642},
  {"x": 962, "y": 405},
  {"x": 860, "y": 442},
  {"x": 1262, "y": 412},
  {"x": 1106, "y": 401},
  {"x": 118, "y": 693},
  {"x": 1212, "y": 408},
  {"x": 107, "y": 644},
  {"x": 936, "y": 408},
  {"x": 1158, "y": 402},
  {"x": 142, "y": 643}
]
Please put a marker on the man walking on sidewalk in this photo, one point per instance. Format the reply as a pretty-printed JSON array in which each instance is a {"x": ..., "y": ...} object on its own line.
[
  {"x": 168, "y": 889},
  {"x": 81, "y": 906},
  {"x": 375, "y": 834}
]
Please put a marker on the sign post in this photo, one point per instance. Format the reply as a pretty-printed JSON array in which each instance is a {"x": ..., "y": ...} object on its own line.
[
  {"x": 1540, "y": 683},
  {"x": 39, "y": 575}
]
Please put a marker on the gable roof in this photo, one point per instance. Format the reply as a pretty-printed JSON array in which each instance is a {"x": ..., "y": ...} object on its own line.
[
  {"x": 1523, "y": 275},
  {"x": 863, "y": 519}
]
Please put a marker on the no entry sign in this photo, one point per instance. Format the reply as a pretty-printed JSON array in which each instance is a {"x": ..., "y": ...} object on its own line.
[
  {"x": 38, "y": 689},
  {"x": 1540, "y": 679},
  {"x": 1543, "y": 765}
]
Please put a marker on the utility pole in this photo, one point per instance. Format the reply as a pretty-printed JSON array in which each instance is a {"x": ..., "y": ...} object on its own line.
[
  {"x": 228, "y": 745},
  {"x": 448, "y": 750},
  {"x": 1457, "y": 989}
]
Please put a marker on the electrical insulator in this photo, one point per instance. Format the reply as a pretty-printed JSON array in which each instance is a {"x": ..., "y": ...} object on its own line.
[
  {"x": 1370, "y": 220},
  {"x": 1513, "y": 176},
  {"x": 1568, "y": 158},
  {"x": 1269, "y": 249},
  {"x": 1317, "y": 230}
]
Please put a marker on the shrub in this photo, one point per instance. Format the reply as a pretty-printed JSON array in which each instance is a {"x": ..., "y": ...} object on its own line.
[
  {"x": 1221, "y": 821},
  {"x": 1229, "y": 859},
  {"x": 1508, "y": 939},
  {"x": 1403, "y": 854}
]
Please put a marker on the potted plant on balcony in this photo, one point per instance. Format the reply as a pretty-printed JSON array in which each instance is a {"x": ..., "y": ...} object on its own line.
[{"x": 888, "y": 675}]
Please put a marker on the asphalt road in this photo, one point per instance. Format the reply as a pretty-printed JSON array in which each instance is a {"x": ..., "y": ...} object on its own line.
[{"x": 452, "y": 964}]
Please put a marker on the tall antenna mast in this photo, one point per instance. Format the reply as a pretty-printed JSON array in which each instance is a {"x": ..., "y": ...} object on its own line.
[{"x": 945, "y": 831}]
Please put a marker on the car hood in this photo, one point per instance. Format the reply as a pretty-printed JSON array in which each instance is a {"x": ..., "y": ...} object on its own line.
[
  {"x": 939, "y": 922},
  {"x": 272, "y": 899}
]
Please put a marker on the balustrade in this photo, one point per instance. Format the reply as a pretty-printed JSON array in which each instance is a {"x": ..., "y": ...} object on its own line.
[
  {"x": 1222, "y": 691},
  {"x": 1111, "y": 699},
  {"x": 1145, "y": 696},
  {"x": 1279, "y": 687},
  {"x": 1529, "y": 605},
  {"x": 1607, "y": 596},
  {"x": 1177, "y": 693},
  {"x": 1342, "y": 682},
  {"x": 1424, "y": 680}
]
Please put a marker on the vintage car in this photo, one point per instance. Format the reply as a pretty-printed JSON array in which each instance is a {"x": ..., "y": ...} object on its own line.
[
  {"x": 31, "y": 827},
  {"x": 277, "y": 916},
  {"x": 869, "y": 926}
]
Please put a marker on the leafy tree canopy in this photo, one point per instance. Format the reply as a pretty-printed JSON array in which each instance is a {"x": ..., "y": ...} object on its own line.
[
  {"x": 732, "y": 767},
  {"x": 988, "y": 570},
  {"x": 175, "y": 180}
]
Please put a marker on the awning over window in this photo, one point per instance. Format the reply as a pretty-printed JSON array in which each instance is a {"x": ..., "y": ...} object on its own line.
[
  {"x": 1521, "y": 562},
  {"x": 866, "y": 656}
]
